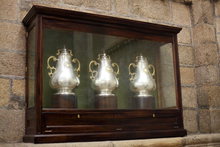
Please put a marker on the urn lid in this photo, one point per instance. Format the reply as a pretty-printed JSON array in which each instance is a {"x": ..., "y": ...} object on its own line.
[
  {"x": 103, "y": 56},
  {"x": 64, "y": 51}
]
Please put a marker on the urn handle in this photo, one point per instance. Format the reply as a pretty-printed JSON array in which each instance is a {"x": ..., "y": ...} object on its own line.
[
  {"x": 93, "y": 72},
  {"x": 51, "y": 68},
  {"x": 116, "y": 65},
  {"x": 132, "y": 74},
  {"x": 71, "y": 53},
  {"x": 78, "y": 68},
  {"x": 58, "y": 52},
  {"x": 153, "y": 69}
]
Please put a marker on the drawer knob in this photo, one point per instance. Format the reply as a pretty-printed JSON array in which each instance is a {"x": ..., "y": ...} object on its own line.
[
  {"x": 48, "y": 131},
  {"x": 119, "y": 129},
  {"x": 78, "y": 115},
  {"x": 153, "y": 115}
]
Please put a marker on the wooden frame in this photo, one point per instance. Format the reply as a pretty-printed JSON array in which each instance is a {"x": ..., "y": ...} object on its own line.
[{"x": 44, "y": 125}]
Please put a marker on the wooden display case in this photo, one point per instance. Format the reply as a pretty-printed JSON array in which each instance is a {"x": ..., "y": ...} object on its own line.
[{"x": 87, "y": 34}]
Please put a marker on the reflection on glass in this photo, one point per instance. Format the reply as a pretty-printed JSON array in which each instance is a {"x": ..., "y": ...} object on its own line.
[
  {"x": 167, "y": 93},
  {"x": 31, "y": 68},
  {"x": 123, "y": 51}
]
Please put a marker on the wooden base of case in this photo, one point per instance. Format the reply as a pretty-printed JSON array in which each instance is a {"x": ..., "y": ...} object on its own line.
[{"x": 119, "y": 135}]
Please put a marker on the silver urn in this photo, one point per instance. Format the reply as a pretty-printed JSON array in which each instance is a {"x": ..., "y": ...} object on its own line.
[
  {"x": 104, "y": 79},
  {"x": 142, "y": 81},
  {"x": 64, "y": 77}
]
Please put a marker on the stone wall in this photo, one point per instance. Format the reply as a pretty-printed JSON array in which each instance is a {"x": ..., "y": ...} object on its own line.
[
  {"x": 206, "y": 51},
  {"x": 199, "y": 55}
]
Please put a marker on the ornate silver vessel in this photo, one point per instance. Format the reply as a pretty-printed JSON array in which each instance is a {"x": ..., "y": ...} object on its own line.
[
  {"x": 64, "y": 77},
  {"x": 142, "y": 81},
  {"x": 104, "y": 80}
]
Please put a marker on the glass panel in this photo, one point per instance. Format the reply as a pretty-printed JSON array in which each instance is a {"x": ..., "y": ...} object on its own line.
[
  {"x": 31, "y": 68},
  {"x": 123, "y": 51}
]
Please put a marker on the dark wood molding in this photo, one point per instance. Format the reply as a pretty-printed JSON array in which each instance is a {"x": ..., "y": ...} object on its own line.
[
  {"x": 83, "y": 17},
  {"x": 57, "y": 138}
]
